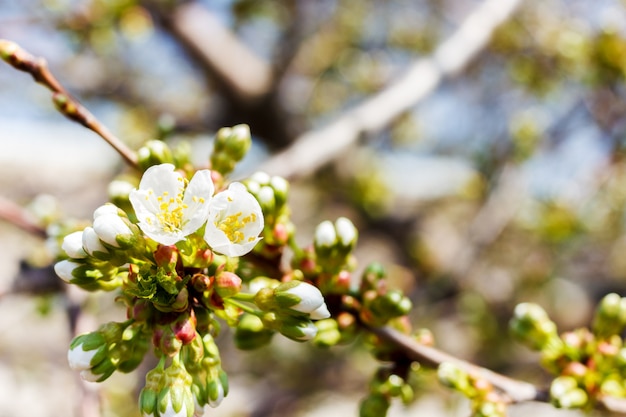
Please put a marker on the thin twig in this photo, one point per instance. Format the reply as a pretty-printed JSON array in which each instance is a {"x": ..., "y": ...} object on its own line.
[
  {"x": 16, "y": 215},
  {"x": 517, "y": 391},
  {"x": 318, "y": 147},
  {"x": 37, "y": 67}
]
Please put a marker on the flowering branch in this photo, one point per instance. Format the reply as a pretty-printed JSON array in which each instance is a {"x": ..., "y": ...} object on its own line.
[{"x": 37, "y": 67}]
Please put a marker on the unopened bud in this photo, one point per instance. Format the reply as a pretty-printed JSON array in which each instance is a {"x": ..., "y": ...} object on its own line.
[
  {"x": 154, "y": 152},
  {"x": 227, "y": 284}
]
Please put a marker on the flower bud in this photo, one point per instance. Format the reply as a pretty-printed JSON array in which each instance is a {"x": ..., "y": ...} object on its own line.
[
  {"x": 154, "y": 152},
  {"x": 88, "y": 354},
  {"x": 93, "y": 246},
  {"x": 327, "y": 333},
  {"x": 113, "y": 230},
  {"x": 233, "y": 141},
  {"x": 217, "y": 386},
  {"x": 280, "y": 186},
  {"x": 297, "y": 329},
  {"x": 301, "y": 297},
  {"x": 565, "y": 393},
  {"x": 66, "y": 270},
  {"x": 251, "y": 333},
  {"x": 389, "y": 305},
  {"x": 108, "y": 208},
  {"x": 610, "y": 316},
  {"x": 374, "y": 405},
  {"x": 149, "y": 394},
  {"x": 453, "y": 376},
  {"x": 532, "y": 326},
  {"x": 73, "y": 245},
  {"x": 325, "y": 236},
  {"x": 227, "y": 284},
  {"x": 346, "y": 232}
]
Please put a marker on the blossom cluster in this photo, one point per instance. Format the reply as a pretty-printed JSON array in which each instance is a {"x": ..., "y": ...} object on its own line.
[{"x": 175, "y": 257}]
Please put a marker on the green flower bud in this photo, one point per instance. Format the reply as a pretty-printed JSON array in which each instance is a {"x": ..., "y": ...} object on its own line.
[
  {"x": 451, "y": 375},
  {"x": 149, "y": 394},
  {"x": 297, "y": 329},
  {"x": 154, "y": 152},
  {"x": 235, "y": 141},
  {"x": 565, "y": 393},
  {"x": 389, "y": 305},
  {"x": 251, "y": 333},
  {"x": 374, "y": 405},
  {"x": 532, "y": 326},
  {"x": 280, "y": 186},
  {"x": 373, "y": 274},
  {"x": 328, "y": 333},
  {"x": 610, "y": 316}
]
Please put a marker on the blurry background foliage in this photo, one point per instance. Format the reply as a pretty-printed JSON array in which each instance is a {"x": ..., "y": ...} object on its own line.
[{"x": 507, "y": 184}]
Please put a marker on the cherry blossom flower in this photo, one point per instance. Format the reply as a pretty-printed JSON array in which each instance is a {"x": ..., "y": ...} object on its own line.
[
  {"x": 167, "y": 206},
  {"x": 235, "y": 221}
]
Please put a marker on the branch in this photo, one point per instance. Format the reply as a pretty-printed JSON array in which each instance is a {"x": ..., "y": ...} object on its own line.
[
  {"x": 317, "y": 147},
  {"x": 65, "y": 103},
  {"x": 244, "y": 73},
  {"x": 517, "y": 391},
  {"x": 16, "y": 215}
]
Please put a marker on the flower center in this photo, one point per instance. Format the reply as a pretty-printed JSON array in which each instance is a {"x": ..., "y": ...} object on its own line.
[
  {"x": 232, "y": 225},
  {"x": 170, "y": 213}
]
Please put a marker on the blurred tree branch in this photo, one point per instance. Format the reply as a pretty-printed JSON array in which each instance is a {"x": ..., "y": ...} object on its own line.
[
  {"x": 317, "y": 147},
  {"x": 245, "y": 80}
]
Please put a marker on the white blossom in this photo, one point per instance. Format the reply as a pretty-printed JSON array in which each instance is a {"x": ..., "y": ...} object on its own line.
[
  {"x": 80, "y": 359},
  {"x": 91, "y": 241},
  {"x": 107, "y": 208},
  {"x": 167, "y": 207},
  {"x": 111, "y": 227},
  {"x": 325, "y": 234},
  {"x": 311, "y": 300},
  {"x": 73, "y": 245},
  {"x": 346, "y": 231},
  {"x": 65, "y": 268},
  {"x": 235, "y": 221}
]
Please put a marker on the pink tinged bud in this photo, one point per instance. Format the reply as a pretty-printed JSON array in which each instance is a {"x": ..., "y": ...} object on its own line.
[
  {"x": 184, "y": 328},
  {"x": 91, "y": 242},
  {"x": 65, "y": 269},
  {"x": 227, "y": 284},
  {"x": 166, "y": 255},
  {"x": 110, "y": 228},
  {"x": 73, "y": 245}
]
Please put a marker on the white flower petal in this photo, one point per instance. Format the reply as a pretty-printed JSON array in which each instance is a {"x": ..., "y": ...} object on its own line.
[
  {"x": 107, "y": 208},
  {"x": 346, "y": 231},
  {"x": 325, "y": 235},
  {"x": 89, "y": 376},
  {"x": 167, "y": 208},
  {"x": 73, "y": 245},
  {"x": 91, "y": 241},
  {"x": 109, "y": 226},
  {"x": 235, "y": 221},
  {"x": 198, "y": 195},
  {"x": 311, "y": 297},
  {"x": 169, "y": 410},
  {"x": 309, "y": 331},
  {"x": 320, "y": 313},
  {"x": 64, "y": 269},
  {"x": 79, "y": 359}
]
